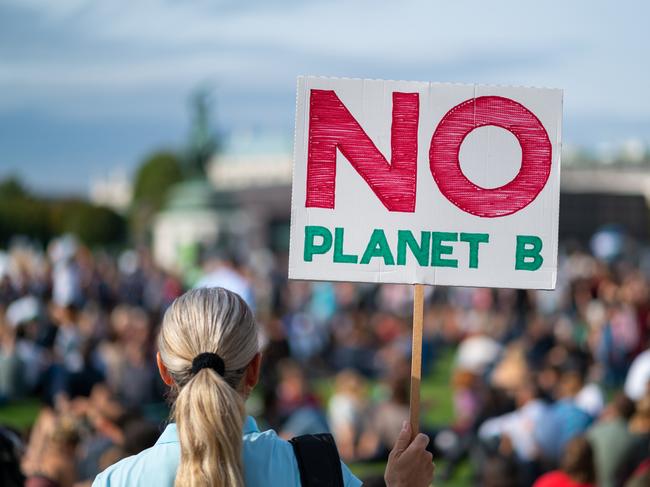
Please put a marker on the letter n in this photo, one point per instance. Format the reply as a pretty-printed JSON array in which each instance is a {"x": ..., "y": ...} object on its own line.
[{"x": 332, "y": 127}]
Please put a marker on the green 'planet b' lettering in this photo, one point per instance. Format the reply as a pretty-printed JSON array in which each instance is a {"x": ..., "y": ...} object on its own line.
[
  {"x": 528, "y": 256},
  {"x": 339, "y": 256},
  {"x": 474, "y": 239},
  {"x": 420, "y": 251},
  {"x": 378, "y": 247},
  {"x": 311, "y": 247},
  {"x": 438, "y": 249}
]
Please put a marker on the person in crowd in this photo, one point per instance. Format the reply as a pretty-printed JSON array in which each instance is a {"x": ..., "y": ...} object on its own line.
[
  {"x": 383, "y": 426},
  {"x": 564, "y": 419},
  {"x": 499, "y": 471},
  {"x": 298, "y": 408},
  {"x": 641, "y": 476},
  {"x": 12, "y": 384},
  {"x": 209, "y": 355},
  {"x": 26, "y": 340},
  {"x": 346, "y": 411},
  {"x": 639, "y": 445},
  {"x": 519, "y": 425},
  {"x": 11, "y": 448},
  {"x": 611, "y": 439},
  {"x": 224, "y": 271},
  {"x": 577, "y": 467},
  {"x": 50, "y": 459},
  {"x": 467, "y": 399},
  {"x": 637, "y": 381},
  {"x": 68, "y": 443}
]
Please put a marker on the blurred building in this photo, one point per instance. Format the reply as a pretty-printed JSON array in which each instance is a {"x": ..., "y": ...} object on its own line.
[
  {"x": 244, "y": 205},
  {"x": 251, "y": 204},
  {"x": 610, "y": 188},
  {"x": 195, "y": 218},
  {"x": 114, "y": 190},
  {"x": 254, "y": 169}
]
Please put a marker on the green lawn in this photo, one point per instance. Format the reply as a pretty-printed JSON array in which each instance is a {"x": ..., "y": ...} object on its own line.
[
  {"x": 20, "y": 414},
  {"x": 437, "y": 409}
]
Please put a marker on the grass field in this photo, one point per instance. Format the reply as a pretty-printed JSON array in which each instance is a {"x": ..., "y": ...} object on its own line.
[
  {"x": 20, "y": 414},
  {"x": 437, "y": 409}
]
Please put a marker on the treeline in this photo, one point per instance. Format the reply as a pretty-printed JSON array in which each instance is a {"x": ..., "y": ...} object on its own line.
[{"x": 23, "y": 213}]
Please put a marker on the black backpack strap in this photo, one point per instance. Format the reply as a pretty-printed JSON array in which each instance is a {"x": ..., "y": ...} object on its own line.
[{"x": 318, "y": 460}]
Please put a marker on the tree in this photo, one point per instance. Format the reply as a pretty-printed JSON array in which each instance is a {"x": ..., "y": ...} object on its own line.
[
  {"x": 94, "y": 225},
  {"x": 12, "y": 188},
  {"x": 156, "y": 175},
  {"x": 22, "y": 213}
]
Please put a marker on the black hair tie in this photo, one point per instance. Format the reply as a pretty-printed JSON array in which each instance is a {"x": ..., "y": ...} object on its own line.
[{"x": 209, "y": 360}]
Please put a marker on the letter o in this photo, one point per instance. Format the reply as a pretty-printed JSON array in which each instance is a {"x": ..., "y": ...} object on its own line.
[{"x": 536, "y": 152}]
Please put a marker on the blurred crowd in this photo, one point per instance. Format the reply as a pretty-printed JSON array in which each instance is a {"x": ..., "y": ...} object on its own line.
[{"x": 548, "y": 388}]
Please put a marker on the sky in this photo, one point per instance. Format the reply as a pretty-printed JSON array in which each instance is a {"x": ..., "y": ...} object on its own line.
[{"x": 90, "y": 86}]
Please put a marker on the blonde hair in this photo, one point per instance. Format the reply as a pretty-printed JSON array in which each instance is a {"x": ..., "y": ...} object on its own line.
[{"x": 209, "y": 408}]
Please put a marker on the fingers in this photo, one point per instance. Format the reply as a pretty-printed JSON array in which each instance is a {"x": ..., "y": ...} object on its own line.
[
  {"x": 429, "y": 469},
  {"x": 420, "y": 459},
  {"x": 416, "y": 454},
  {"x": 418, "y": 445},
  {"x": 403, "y": 440}
]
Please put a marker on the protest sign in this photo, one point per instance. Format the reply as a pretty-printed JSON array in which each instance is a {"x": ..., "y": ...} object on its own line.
[{"x": 429, "y": 183}]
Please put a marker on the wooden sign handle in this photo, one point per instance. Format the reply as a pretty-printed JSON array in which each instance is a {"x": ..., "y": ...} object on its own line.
[{"x": 416, "y": 358}]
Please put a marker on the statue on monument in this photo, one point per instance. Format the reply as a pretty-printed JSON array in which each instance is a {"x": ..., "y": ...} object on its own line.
[
  {"x": 195, "y": 216},
  {"x": 202, "y": 142}
]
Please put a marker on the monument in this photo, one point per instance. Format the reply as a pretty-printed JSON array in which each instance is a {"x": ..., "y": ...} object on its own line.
[{"x": 195, "y": 216}]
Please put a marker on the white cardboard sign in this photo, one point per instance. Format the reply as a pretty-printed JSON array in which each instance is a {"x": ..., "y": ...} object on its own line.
[{"x": 432, "y": 183}]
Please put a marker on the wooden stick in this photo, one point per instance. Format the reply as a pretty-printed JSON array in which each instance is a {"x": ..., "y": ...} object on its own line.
[{"x": 416, "y": 358}]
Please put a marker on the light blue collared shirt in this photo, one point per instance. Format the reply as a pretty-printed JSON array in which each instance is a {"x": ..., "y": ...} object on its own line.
[{"x": 268, "y": 460}]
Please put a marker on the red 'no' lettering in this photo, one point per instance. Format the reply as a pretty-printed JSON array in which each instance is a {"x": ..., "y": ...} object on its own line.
[
  {"x": 332, "y": 126},
  {"x": 535, "y": 156}
]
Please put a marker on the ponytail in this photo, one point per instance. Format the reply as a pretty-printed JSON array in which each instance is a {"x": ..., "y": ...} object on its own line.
[
  {"x": 210, "y": 418},
  {"x": 209, "y": 407}
]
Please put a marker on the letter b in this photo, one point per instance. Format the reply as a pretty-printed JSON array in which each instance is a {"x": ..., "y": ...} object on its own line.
[{"x": 528, "y": 256}]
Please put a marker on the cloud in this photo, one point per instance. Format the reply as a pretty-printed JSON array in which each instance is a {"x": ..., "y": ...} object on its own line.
[
  {"x": 113, "y": 46},
  {"x": 116, "y": 44},
  {"x": 57, "y": 50},
  {"x": 122, "y": 62}
]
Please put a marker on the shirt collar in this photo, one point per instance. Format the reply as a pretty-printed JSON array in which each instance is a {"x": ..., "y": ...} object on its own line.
[
  {"x": 170, "y": 434},
  {"x": 250, "y": 426}
]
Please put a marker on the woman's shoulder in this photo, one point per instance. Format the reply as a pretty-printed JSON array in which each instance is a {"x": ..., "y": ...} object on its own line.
[
  {"x": 267, "y": 457},
  {"x": 154, "y": 466},
  {"x": 265, "y": 453}
]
